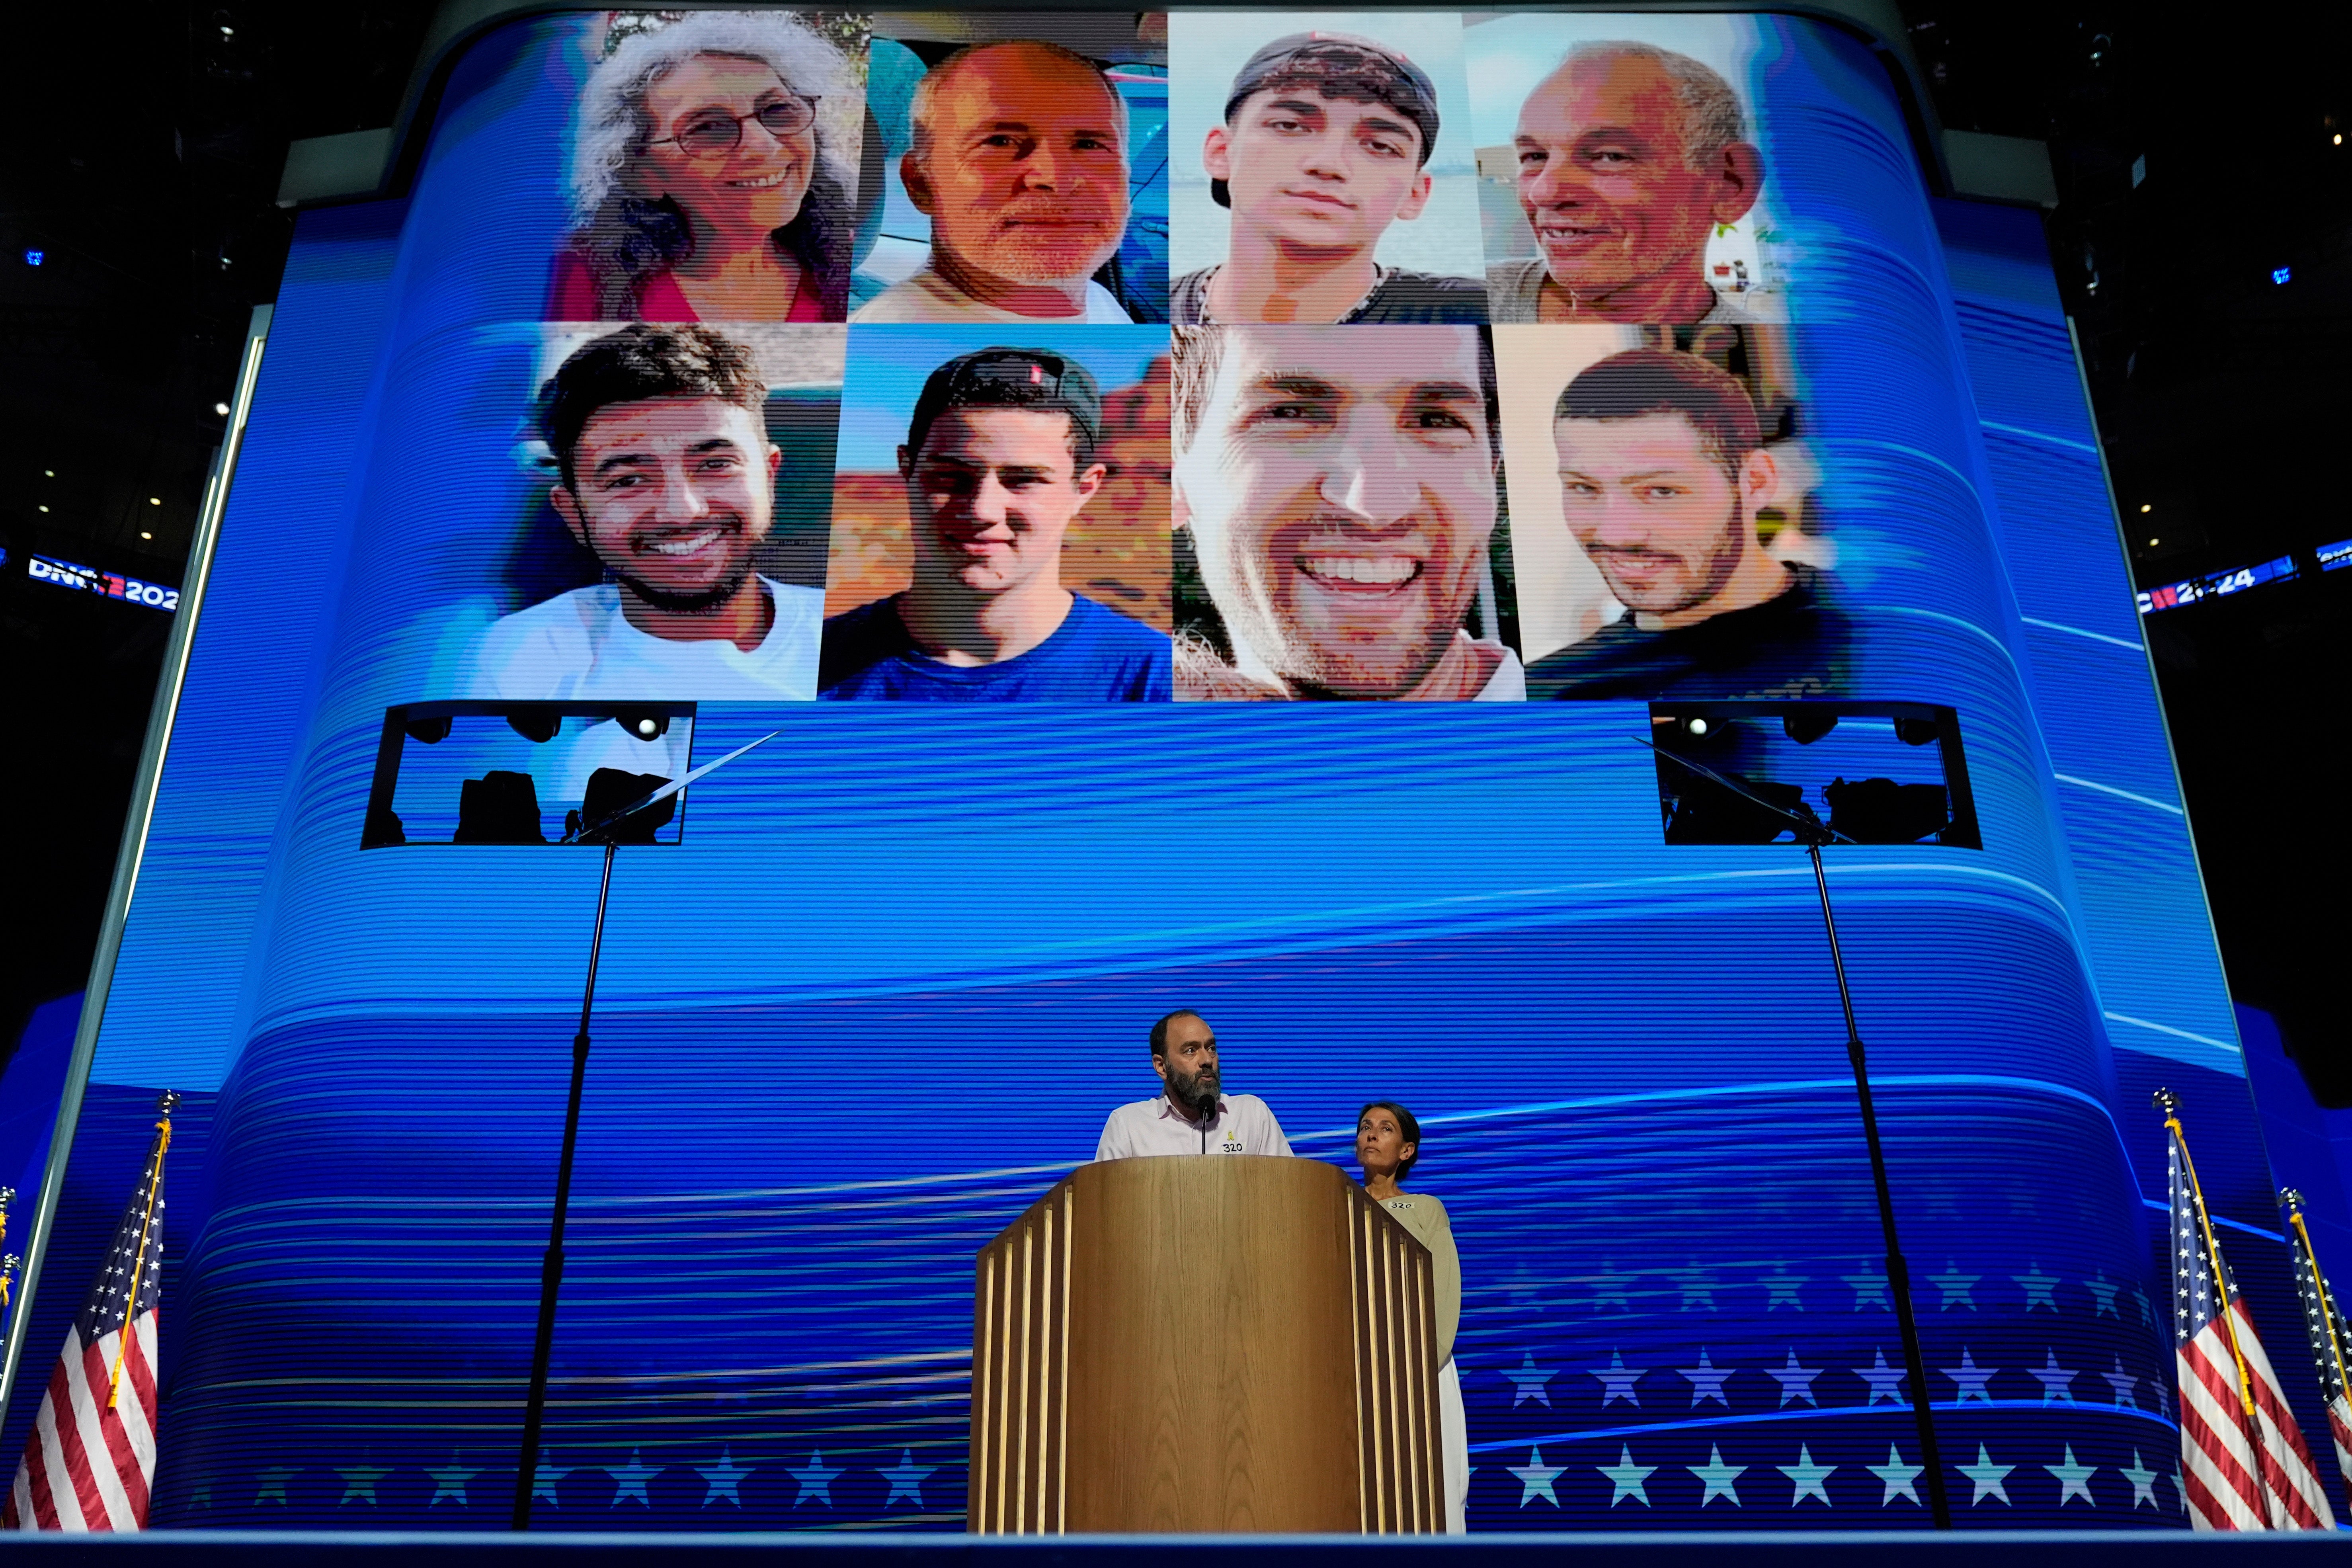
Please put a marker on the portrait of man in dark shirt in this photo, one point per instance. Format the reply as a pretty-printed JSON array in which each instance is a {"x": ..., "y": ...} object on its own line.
[
  {"x": 1663, "y": 469},
  {"x": 1326, "y": 142}
]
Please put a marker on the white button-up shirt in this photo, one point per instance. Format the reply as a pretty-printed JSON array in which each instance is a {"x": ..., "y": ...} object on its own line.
[{"x": 1242, "y": 1125}]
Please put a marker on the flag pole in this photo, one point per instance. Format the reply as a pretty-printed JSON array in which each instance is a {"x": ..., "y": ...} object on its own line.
[
  {"x": 2292, "y": 1201},
  {"x": 2249, "y": 1424},
  {"x": 163, "y": 1107},
  {"x": 2167, "y": 1102},
  {"x": 7, "y": 1264}
]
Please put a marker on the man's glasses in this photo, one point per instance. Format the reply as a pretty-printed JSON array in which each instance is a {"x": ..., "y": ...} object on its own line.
[{"x": 715, "y": 135}]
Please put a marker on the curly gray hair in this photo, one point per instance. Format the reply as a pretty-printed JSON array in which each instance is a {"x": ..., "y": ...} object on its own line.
[{"x": 624, "y": 238}]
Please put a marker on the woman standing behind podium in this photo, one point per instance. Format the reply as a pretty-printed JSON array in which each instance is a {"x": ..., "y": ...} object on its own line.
[{"x": 1388, "y": 1146}]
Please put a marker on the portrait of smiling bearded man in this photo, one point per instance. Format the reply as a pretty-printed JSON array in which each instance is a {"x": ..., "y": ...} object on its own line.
[
  {"x": 1338, "y": 485},
  {"x": 666, "y": 475},
  {"x": 1663, "y": 470}
]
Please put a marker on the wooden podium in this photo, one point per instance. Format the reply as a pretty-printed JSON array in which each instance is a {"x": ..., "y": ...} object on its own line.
[{"x": 1227, "y": 1342}]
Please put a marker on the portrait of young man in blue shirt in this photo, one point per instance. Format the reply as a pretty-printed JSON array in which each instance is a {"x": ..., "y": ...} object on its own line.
[{"x": 999, "y": 460}]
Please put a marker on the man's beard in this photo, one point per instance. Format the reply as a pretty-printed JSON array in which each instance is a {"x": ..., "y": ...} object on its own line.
[
  {"x": 1196, "y": 1092},
  {"x": 1317, "y": 664},
  {"x": 1715, "y": 570},
  {"x": 1038, "y": 262},
  {"x": 701, "y": 602}
]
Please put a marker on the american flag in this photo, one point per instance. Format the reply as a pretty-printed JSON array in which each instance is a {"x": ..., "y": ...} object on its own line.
[
  {"x": 91, "y": 1455},
  {"x": 2331, "y": 1337},
  {"x": 2243, "y": 1465}
]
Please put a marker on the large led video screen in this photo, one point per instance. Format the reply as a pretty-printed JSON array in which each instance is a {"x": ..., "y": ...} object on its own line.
[{"x": 1216, "y": 511}]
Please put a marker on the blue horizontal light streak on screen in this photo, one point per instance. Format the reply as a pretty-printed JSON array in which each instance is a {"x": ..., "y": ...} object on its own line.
[{"x": 1778, "y": 1417}]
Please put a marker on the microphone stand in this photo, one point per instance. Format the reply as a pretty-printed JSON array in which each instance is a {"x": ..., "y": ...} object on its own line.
[
  {"x": 1813, "y": 833},
  {"x": 550, "y": 1271}
]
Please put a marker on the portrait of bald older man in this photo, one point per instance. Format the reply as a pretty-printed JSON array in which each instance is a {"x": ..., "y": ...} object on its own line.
[
  {"x": 1019, "y": 158},
  {"x": 1628, "y": 158}
]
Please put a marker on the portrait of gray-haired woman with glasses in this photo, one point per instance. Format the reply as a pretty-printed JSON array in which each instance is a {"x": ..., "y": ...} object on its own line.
[{"x": 705, "y": 179}]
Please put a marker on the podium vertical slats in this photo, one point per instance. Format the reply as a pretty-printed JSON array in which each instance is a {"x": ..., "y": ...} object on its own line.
[
  {"x": 1384, "y": 1494},
  {"x": 1392, "y": 1302},
  {"x": 1400, "y": 1419},
  {"x": 1416, "y": 1280},
  {"x": 1020, "y": 1373},
  {"x": 1079, "y": 1422},
  {"x": 1417, "y": 1307},
  {"x": 1361, "y": 1361},
  {"x": 1005, "y": 1435},
  {"x": 1041, "y": 1474},
  {"x": 983, "y": 1385},
  {"x": 1433, "y": 1480},
  {"x": 1022, "y": 1427},
  {"x": 1062, "y": 1377},
  {"x": 1400, "y": 1383}
]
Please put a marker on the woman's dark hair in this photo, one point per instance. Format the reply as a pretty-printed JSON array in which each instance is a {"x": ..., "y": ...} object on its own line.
[
  {"x": 1406, "y": 1124},
  {"x": 633, "y": 240}
]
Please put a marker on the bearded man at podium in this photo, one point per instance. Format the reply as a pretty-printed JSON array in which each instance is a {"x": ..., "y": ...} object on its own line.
[{"x": 1190, "y": 1117}]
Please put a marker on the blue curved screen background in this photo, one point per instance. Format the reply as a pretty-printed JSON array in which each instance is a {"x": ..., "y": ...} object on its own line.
[{"x": 902, "y": 963}]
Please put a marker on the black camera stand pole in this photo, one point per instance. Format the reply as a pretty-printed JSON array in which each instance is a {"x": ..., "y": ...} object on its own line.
[
  {"x": 550, "y": 1269},
  {"x": 1813, "y": 833},
  {"x": 608, "y": 831},
  {"x": 1898, "y": 1272}
]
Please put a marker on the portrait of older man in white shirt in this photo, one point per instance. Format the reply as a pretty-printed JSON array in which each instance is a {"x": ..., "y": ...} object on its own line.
[{"x": 1020, "y": 160}]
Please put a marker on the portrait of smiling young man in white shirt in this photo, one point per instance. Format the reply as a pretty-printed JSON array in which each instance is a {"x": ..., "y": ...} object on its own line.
[{"x": 665, "y": 473}]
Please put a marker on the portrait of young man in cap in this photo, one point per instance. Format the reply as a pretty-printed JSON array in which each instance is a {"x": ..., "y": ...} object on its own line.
[
  {"x": 1000, "y": 460},
  {"x": 1325, "y": 142}
]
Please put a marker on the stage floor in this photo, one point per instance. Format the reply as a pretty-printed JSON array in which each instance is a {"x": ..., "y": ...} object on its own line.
[{"x": 2017, "y": 1549}]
